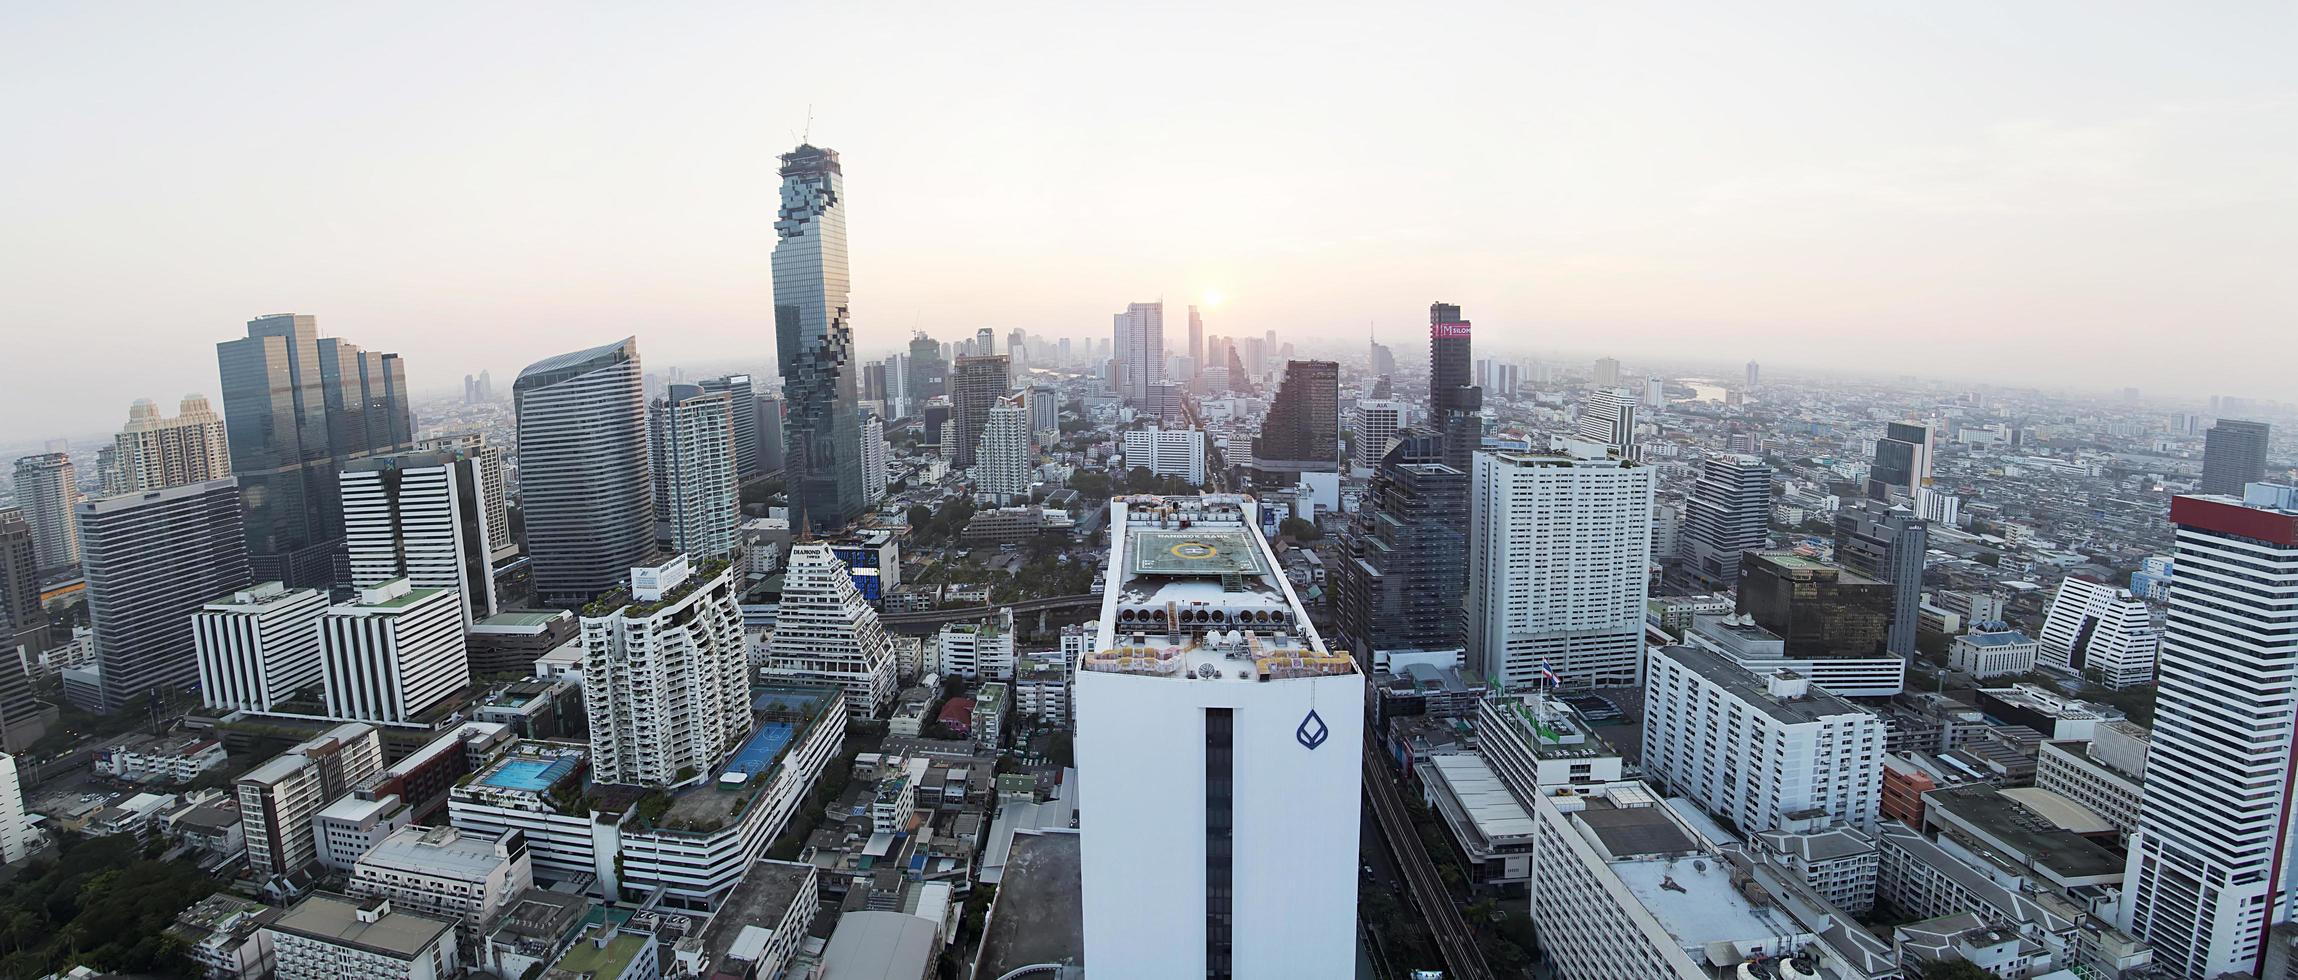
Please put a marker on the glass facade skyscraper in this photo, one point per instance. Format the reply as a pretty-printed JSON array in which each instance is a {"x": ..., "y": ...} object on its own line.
[
  {"x": 296, "y": 407},
  {"x": 1452, "y": 400},
  {"x": 1399, "y": 586},
  {"x": 584, "y": 480},
  {"x": 822, "y": 435}
]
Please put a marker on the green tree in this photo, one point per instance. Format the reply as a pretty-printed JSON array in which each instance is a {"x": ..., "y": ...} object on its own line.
[{"x": 1299, "y": 530}]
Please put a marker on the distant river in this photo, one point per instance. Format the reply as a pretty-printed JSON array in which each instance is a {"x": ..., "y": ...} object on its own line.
[{"x": 1703, "y": 389}]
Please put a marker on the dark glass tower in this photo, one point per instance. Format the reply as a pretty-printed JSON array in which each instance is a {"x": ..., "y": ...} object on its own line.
[
  {"x": 1301, "y": 433},
  {"x": 1887, "y": 544},
  {"x": 296, "y": 407},
  {"x": 1399, "y": 585},
  {"x": 822, "y": 432},
  {"x": 1818, "y": 608},
  {"x": 585, "y": 483},
  {"x": 928, "y": 375},
  {"x": 975, "y": 386},
  {"x": 2233, "y": 456},
  {"x": 1452, "y": 401}
]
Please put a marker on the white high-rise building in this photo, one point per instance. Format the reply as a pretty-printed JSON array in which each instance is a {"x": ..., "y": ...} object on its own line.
[
  {"x": 1373, "y": 426},
  {"x": 978, "y": 650},
  {"x": 48, "y": 492},
  {"x": 155, "y": 452},
  {"x": 500, "y": 542},
  {"x": 258, "y": 647},
  {"x": 1655, "y": 394},
  {"x": 825, "y": 631},
  {"x": 1727, "y": 515},
  {"x": 442, "y": 872},
  {"x": 1222, "y": 745},
  {"x": 279, "y": 799},
  {"x": 874, "y": 458},
  {"x": 1177, "y": 453},
  {"x": 701, "y": 489},
  {"x": 15, "y": 827},
  {"x": 2210, "y": 869},
  {"x": 422, "y": 516},
  {"x": 1140, "y": 350},
  {"x": 394, "y": 653},
  {"x": 1559, "y": 545},
  {"x": 1002, "y": 465},
  {"x": 666, "y": 675},
  {"x": 1609, "y": 417},
  {"x": 1044, "y": 414},
  {"x": 2101, "y": 631},
  {"x": 1757, "y": 748}
]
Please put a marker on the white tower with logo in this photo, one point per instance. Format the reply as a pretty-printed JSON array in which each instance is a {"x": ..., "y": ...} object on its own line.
[{"x": 1221, "y": 745}]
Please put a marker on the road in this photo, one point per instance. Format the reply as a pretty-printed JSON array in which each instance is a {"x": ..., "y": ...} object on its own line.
[
  {"x": 921, "y": 623},
  {"x": 1453, "y": 940}
]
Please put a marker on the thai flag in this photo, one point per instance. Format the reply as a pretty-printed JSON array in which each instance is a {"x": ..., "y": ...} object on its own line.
[{"x": 1549, "y": 675}]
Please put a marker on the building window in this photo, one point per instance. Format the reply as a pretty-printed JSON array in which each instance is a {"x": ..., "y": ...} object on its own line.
[{"x": 1220, "y": 817}]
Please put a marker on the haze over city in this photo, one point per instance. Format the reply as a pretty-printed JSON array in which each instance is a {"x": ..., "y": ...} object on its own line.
[{"x": 2036, "y": 194}]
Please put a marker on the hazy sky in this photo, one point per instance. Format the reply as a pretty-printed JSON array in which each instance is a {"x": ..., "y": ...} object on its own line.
[{"x": 2067, "y": 193}]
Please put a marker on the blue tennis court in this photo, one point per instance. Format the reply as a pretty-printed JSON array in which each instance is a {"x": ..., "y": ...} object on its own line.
[
  {"x": 530, "y": 775},
  {"x": 760, "y": 751}
]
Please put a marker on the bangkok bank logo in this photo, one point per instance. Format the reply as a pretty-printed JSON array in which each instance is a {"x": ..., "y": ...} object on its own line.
[{"x": 1312, "y": 732}]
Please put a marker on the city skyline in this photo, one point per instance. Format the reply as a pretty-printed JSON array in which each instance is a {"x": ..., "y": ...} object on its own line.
[{"x": 1610, "y": 202}]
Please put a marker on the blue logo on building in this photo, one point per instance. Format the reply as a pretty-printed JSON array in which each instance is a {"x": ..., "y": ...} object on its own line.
[{"x": 1312, "y": 732}]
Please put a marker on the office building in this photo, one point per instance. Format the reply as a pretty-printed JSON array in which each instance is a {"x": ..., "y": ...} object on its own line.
[
  {"x": 665, "y": 675},
  {"x": 2233, "y": 456},
  {"x": 23, "y": 620},
  {"x": 741, "y": 398},
  {"x": 1453, "y": 402},
  {"x": 1607, "y": 373},
  {"x": 1727, "y": 515},
  {"x": 1887, "y": 543},
  {"x": 1301, "y": 433},
  {"x": 1139, "y": 354},
  {"x": 494, "y": 473},
  {"x": 1625, "y": 887},
  {"x": 1398, "y": 587},
  {"x": 875, "y": 454},
  {"x": 982, "y": 649},
  {"x": 927, "y": 372},
  {"x": 822, "y": 436},
  {"x": 336, "y": 937},
  {"x": 1558, "y": 543},
  {"x": 2209, "y": 871},
  {"x": 2105, "y": 772},
  {"x": 353, "y": 824},
  {"x": 423, "y": 516},
  {"x": 1044, "y": 405},
  {"x": 1005, "y": 463},
  {"x": 1818, "y": 609},
  {"x": 1753, "y": 373},
  {"x": 1202, "y": 639},
  {"x": 1902, "y": 463},
  {"x": 701, "y": 491},
  {"x": 976, "y": 384},
  {"x": 585, "y": 485},
  {"x": 768, "y": 410},
  {"x": 1609, "y": 417},
  {"x": 2099, "y": 631},
  {"x": 1196, "y": 351},
  {"x": 393, "y": 653},
  {"x": 15, "y": 825},
  {"x": 152, "y": 560},
  {"x": 258, "y": 647},
  {"x": 296, "y": 407},
  {"x": 826, "y": 632},
  {"x": 1374, "y": 427},
  {"x": 278, "y": 799},
  {"x": 441, "y": 872},
  {"x": 1757, "y": 749},
  {"x": 1177, "y": 453},
  {"x": 47, "y": 491},
  {"x": 154, "y": 452},
  {"x": 1762, "y": 652}
]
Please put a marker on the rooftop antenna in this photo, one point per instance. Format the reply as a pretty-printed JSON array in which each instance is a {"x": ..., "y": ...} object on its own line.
[{"x": 807, "y": 134}]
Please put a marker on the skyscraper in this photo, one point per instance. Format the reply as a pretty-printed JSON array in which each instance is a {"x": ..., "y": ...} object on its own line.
[
  {"x": 822, "y": 435},
  {"x": 976, "y": 383},
  {"x": 1196, "y": 351},
  {"x": 1398, "y": 588},
  {"x": 1558, "y": 546},
  {"x": 1301, "y": 432},
  {"x": 2233, "y": 456},
  {"x": 392, "y": 653},
  {"x": 1005, "y": 462},
  {"x": 874, "y": 455},
  {"x": 928, "y": 373},
  {"x": 1452, "y": 401},
  {"x": 47, "y": 490},
  {"x": 296, "y": 407},
  {"x": 697, "y": 470},
  {"x": 152, "y": 560},
  {"x": 23, "y": 634},
  {"x": 769, "y": 412},
  {"x": 421, "y": 516},
  {"x": 488, "y": 460},
  {"x": 1753, "y": 372},
  {"x": 1375, "y": 424},
  {"x": 2209, "y": 870},
  {"x": 1607, "y": 372},
  {"x": 825, "y": 631},
  {"x": 1249, "y": 791},
  {"x": 1140, "y": 349},
  {"x": 1727, "y": 515},
  {"x": 740, "y": 396},
  {"x": 1887, "y": 543},
  {"x": 585, "y": 485},
  {"x": 155, "y": 452},
  {"x": 1902, "y": 462},
  {"x": 1609, "y": 417},
  {"x": 665, "y": 676}
]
